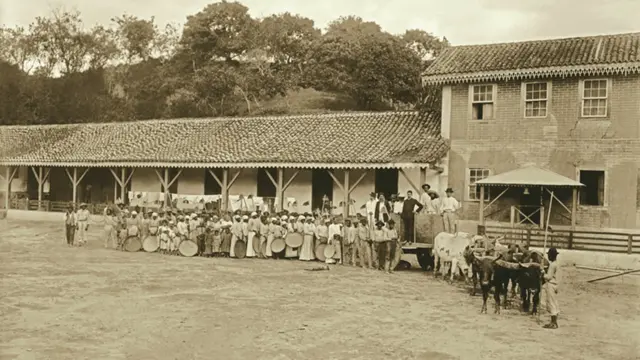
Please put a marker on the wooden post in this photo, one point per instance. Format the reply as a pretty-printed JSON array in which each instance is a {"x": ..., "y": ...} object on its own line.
[
  {"x": 280, "y": 189},
  {"x": 630, "y": 244},
  {"x": 167, "y": 196},
  {"x": 542, "y": 220},
  {"x": 423, "y": 176},
  {"x": 345, "y": 205},
  {"x": 481, "y": 210},
  {"x": 123, "y": 185},
  {"x": 225, "y": 190},
  {"x": 74, "y": 183},
  {"x": 574, "y": 207},
  {"x": 40, "y": 179},
  {"x": 9, "y": 175}
]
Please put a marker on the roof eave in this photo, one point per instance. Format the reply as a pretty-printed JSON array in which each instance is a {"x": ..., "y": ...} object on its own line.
[
  {"x": 236, "y": 165},
  {"x": 533, "y": 73}
]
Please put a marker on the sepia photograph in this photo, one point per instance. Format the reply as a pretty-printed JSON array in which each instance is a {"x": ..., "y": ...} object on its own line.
[{"x": 358, "y": 180}]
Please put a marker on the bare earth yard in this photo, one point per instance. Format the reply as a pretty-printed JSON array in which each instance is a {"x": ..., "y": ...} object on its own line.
[{"x": 93, "y": 303}]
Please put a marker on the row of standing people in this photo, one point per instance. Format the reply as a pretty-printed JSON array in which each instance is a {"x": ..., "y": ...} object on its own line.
[{"x": 355, "y": 242}]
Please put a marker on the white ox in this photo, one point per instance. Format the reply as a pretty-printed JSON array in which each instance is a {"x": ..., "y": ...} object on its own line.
[{"x": 449, "y": 249}]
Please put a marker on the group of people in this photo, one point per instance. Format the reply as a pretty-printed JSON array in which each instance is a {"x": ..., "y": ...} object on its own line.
[{"x": 371, "y": 240}]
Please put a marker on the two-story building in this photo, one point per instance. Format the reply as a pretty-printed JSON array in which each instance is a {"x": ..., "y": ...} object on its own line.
[{"x": 571, "y": 106}]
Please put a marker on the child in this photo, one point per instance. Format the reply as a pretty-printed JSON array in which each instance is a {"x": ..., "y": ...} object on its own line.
[
  {"x": 225, "y": 238},
  {"x": 379, "y": 237},
  {"x": 208, "y": 242},
  {"x": 174, "y": 238},
  {"x": 392, "y": 248},
  {"x": 551, "y": 288},
  {"x": 164, "y": 237},
  {"x": 216, "y": 245},
  {"x": 364, "y": 237}
]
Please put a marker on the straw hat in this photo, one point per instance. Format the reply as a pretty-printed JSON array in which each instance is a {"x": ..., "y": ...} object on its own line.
[
  {"x": 254, "y": 214},
  {"x": 245, "y": 217},
  {"x": 154, "y": 214},
  {"x": 284, "y": 217}
]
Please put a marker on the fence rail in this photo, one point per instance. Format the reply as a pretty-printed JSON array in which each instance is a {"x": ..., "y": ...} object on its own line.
[{"x": 616, "y": 242}]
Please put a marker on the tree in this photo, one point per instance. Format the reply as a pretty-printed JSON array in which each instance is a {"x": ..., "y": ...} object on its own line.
[
  {"x": 103, "y": 47},
  {"x": 221, "y": 31},
  {"x": 18, "y": 47},
  {"x": 372, "y": 66},
  {"x": 62, "y": 42},
  {"x": 136, "y": 37},
  {"x": 425, "y": 44}
]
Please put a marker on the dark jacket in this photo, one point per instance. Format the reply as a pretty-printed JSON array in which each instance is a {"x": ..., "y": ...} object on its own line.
[{"x": 408, "y": 206}]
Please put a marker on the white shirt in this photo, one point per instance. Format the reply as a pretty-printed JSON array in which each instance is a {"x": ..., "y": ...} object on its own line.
[
  {"x": 449, "y": 204},
  {"x": 371, "y": 206},
  {"x": 427, "y": 202},
  {"x": 382, "y": 209},
  {"x": 397, "y": 207},
  {"x": 334, "y": 229}
]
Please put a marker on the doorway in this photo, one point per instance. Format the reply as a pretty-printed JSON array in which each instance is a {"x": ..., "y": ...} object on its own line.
[
  {"x": 530, "y": 199},
  {"x": 386, "y": 182},
  {"x": 321, "y": 185}
]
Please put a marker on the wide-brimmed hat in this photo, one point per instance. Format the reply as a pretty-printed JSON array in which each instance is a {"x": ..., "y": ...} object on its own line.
[
  {"x": 552, "y": 251},
  {"x": 83, "y": 205},
  {"x": 426, "y": 185},
  {"x": 449, "y": 190}
]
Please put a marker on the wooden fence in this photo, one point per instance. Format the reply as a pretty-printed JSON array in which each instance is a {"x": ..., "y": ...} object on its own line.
[{"x": 616, "y": 242}]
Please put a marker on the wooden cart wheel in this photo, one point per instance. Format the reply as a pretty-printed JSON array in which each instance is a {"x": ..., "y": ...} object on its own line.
[{"x": 425, "y": 259}]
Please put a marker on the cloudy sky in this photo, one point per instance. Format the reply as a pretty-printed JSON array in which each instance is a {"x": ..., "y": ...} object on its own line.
[{"x": 461, "y": 21}]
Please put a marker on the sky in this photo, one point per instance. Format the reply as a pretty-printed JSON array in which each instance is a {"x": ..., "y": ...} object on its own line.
[{"x": 461, "y": 21}]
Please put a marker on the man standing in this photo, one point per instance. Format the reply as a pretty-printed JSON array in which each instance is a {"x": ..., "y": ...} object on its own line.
[
  {"x": 551, "y": 288},
  {"x": 410, "y": 207},
  {"x": 70, "y": 224},
  {"x": 448, "y": 206},
  {"x": 371, "y": 209},
  {"x": 425, "y": 199},
  {"x": 83, "y": 224}
]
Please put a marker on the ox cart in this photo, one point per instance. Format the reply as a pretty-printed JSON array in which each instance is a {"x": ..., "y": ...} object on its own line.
[{"x": 427, "y": 226}]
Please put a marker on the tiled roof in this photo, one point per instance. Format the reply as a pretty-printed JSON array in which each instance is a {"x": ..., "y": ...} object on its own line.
[
  {"x": 594, "y": 55},
  {"x": 373, "y": 139}
]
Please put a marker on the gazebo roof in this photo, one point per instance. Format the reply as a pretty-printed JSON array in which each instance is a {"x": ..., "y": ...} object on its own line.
[{"x": 530, "y": 175}]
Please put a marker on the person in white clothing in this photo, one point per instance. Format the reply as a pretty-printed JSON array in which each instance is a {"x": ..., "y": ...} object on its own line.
[
  {"x": 371, "y": 208},
  {"x": 426, "y": 199},
  {"x": 448, "y": 207},
  {"x": 83, "y": 224}
]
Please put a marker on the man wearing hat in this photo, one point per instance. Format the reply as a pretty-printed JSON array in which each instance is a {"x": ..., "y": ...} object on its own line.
[
  {"x": 83, "y": 224},
  {"x": 425, "y": 199},
  {"x": 70, "y": 224},
  {"x": 449, "y": 207},
  {"x": 410, "y": 207},
  {"x": 551, "y": 288}
]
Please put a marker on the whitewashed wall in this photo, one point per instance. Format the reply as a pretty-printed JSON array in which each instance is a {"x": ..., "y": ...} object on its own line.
[
  {"x": 19, "y": 183},
  {"x": 191, "y": 182}
]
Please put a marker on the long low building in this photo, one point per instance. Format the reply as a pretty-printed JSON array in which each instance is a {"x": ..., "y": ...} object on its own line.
[{"x": 343, "y": 156}]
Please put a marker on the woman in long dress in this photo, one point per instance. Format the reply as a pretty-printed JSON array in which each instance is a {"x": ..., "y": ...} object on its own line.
[
  {"x": 273, "y": 230},
  {"x": 236, "y": 234},
  {"x": 307, "y": 248}
]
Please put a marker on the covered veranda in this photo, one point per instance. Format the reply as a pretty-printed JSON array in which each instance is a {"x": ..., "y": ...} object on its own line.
[{"x": 529, "y": 179}]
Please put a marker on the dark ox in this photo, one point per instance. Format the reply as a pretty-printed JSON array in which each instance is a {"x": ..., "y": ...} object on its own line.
[{"x": 526, "y": 275}]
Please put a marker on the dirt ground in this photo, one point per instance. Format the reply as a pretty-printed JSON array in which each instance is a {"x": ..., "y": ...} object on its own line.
[{"x": 93, "y": 303}]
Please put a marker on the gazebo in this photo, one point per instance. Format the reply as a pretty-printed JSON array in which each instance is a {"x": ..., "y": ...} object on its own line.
[{"x": 527, "y": 177}]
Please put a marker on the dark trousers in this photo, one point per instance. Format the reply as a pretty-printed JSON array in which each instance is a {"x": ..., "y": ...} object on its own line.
[
  {"x": 407, "y": 222},
  {"x": 70, "y": 233}
]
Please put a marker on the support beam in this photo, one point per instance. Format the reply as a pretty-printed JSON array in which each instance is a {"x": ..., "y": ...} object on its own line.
[
  {"x": 280, "y": 189},
  {"x": 553, "y": 197},
  {"x": 357, "y": 182},
  {"x": 215, "y": 177},
  {"x": 41, "y": 178},
  {"x": 286, "y": 186},
  {"x": 496, "y": 198},
  {"x": 123, "y": 172},
  {"x": 574, "y": 207},
  {"x": 345, "y": 204},
  {"x": 273, "y": 181},
  {"x": 174, "y": 178},
  {"x": 481, "y": 210},
  {"x": 9, "y": 175},
  {"x": 225, "y": 190},
  {"x": 335, "y": 179},
  {"x": 404, "y": 174},
  {"x": 75, "y": 181}
]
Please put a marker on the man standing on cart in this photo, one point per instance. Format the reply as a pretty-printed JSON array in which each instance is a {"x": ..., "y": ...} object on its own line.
[{"x": 410, "y": 207}]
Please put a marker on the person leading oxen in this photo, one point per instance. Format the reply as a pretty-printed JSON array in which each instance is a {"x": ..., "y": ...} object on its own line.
[{"x": 410, "y": 207}]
